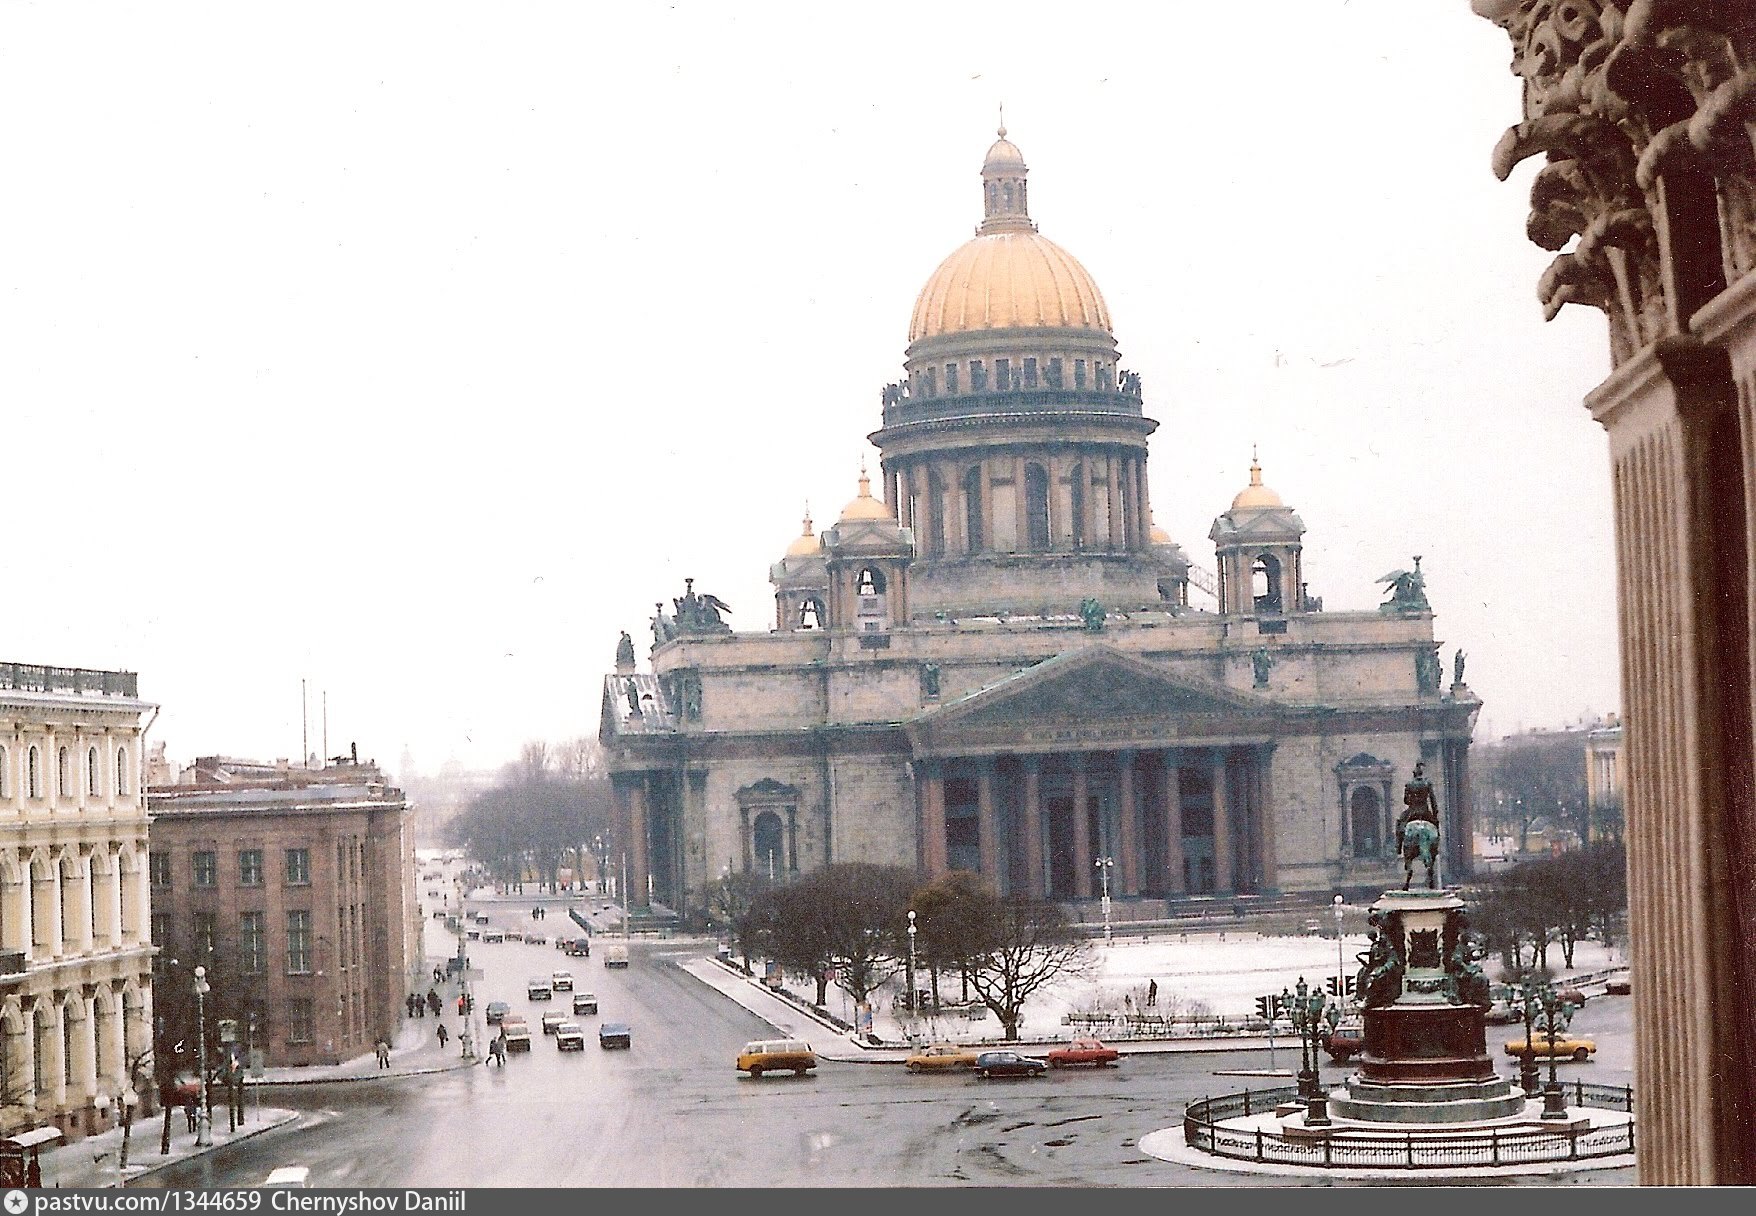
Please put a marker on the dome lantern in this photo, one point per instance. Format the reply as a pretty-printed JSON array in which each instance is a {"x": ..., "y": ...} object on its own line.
[{"x": 1005, "y": 206}]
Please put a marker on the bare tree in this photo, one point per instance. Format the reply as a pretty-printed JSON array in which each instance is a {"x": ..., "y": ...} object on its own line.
[{"x": 1025, "y": 946}]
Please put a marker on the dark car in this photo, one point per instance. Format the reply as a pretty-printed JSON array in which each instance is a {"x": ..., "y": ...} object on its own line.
[
  {"x": 615, "y": 1034},
  {"x": 1619, "y": 985},
  {"x": 497, "y": 1010},
  {"x": 1345, "y": 1042},
  {"x": 1009, "y": 1064}
]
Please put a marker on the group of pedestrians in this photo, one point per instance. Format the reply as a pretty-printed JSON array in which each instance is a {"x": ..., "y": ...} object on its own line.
[{"x": 419, "y": 1006}]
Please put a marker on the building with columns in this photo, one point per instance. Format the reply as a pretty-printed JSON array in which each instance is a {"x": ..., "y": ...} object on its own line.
[
  {"x": 75, "y": 957},
  {"x": 991, "y": 661}
]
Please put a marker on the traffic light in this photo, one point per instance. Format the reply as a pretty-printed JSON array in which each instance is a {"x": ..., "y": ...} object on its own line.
[
  {"x": 1265, "y": 1007},
  {"x": 1334, "y": 985}
]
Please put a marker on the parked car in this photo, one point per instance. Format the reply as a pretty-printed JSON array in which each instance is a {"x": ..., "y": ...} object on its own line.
[
  {"x": 585, "y": 1002},
  {"x": 537, "y": 988},
  {"x": 1503, "y": 1013},
  {"x": 941, "y": 1057},
  {"x": 1570, "y": 996},
  {"x": 517, "y": 1032},
  {"x": 616, "y": 956},
  {"x": 1084, "y": 1050},
  {"x": 615, "y": 1034},
  {"x": 1619, "y": 985},
  {"x": 481, "y": 918},
  {"x": 537, "y": 939},
  {"x": 1565, "y": 1046},
  {"x": 562, "y": 981},
  {"x": 1009, "y": 1064},
  {"x": 569, "y": 1037},
  {"x": 1346, "y": 1041},
  {"x": 287, "y": 1178},
  {"x": 777, "y": 1055},
  {"x": 493, "y": 935},
  {"x": 575, "y": 947},
  {"x": 438, "y": 913},
  {"x": 496, "y": 1010},
  {"x": 551, "y": 1020}
]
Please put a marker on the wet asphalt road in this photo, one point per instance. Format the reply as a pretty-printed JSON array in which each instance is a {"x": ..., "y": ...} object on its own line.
[{"x": 672, "y": 1111}]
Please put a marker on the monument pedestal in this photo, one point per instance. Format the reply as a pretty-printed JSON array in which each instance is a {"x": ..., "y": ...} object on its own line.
[{"x": 1426, "y": 1058}]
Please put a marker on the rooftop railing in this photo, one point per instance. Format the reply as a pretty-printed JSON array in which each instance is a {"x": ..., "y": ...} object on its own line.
[{"x": 80, "y": 681}]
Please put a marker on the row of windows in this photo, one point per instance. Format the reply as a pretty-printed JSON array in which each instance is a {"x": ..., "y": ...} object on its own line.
[
  {"x": 1027, "y": 373},
  {"x": 65, "y": 782},
  {"x": 253, "y": 948},
  {"x": 204, "y": 866}
]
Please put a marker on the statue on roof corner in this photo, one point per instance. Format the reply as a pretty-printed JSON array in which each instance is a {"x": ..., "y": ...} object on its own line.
[
  {"x": 625, "y": 650},
  {"x": 1093, "y": 613},
  {"x": 1408, "y": 590}
]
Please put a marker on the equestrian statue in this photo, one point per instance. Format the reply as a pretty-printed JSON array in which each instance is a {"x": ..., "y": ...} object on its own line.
[{"x": 1417, "y": 828}]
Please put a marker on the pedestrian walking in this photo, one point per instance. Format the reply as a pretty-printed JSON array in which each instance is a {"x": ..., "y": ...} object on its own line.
[
  {"x": 444, "y": 1034},
  {"x": 408, "y": 1005},
  {"x": 438, "y": 975},
  {"x": 497, "y": 1049},
  {"x": 433, "y": 1002},
  {"x": 383, "y": 1054},
  {"x": 1152, "y": 993}
]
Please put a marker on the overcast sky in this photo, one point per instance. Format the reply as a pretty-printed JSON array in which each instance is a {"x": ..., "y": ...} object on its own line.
[{"x": 416, "y": 350}]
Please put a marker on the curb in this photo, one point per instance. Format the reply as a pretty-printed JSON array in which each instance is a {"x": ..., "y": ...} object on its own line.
[
  {"x": 233, "y": 1139},
  {"x": 382, "y": 1075}
]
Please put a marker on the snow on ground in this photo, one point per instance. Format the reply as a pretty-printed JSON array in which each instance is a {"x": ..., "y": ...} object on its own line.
[{"x": 1220, "y": 973}]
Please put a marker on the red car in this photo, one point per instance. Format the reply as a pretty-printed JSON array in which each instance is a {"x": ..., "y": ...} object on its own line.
[
  {"x": 1082, "y": 1051},
  {"x": 1345, "y": 1042}
]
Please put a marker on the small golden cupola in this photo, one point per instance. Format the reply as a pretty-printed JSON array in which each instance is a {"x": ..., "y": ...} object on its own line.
[
  {"x": 864, "y": 506},
  {"x": 1257, "y": 543},
  {"x": 808, "y": 542},
  {"x": 867, "y": 556},
  {"x": 801, "y": 583}
]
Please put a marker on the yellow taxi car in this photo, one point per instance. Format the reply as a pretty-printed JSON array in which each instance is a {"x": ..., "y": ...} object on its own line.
[
  {"x": 777, "y": 1055},
  {"x": 1566, "y": 1046},
  {"x": 936, "y": 1057}
]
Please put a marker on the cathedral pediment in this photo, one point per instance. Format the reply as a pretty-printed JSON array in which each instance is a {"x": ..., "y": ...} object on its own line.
[{"x": 1095, "y": 696}]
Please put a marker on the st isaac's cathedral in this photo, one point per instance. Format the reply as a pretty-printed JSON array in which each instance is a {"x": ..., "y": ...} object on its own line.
[{"x": 990, "y": 662}]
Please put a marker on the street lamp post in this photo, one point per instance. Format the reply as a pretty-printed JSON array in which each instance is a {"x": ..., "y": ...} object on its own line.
[
  {"x": 1340, "y": 966},
  {"x": 911, "y": 962},
  {"x": 129, "y": 1100},
  {"x": 204, "y": 1124},
  {"x": 1103, "y": 867},
  {"x": 1528, "y": 1076},
  {"x": 1555, "y": 1019}
]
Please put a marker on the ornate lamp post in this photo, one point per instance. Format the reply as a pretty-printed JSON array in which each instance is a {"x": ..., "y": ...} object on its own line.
[
  {"x": 1104, "y": 865},
  {"x": 1556, "y": 1015},
  {"x": 1298, "y": 1005},
  {"x": 911, "y": 961},
  {"x": 1529, "y": 1078},
  {"x": 204, "y": 1124}
]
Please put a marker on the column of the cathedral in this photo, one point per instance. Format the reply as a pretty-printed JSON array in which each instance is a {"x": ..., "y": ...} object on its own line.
[
  {"x": 1263, "y": 784},
  {"x": 1088, "y": 500},
  {"x": 1145, "y": 505},
  {"x": 1020, "y": 508},
  {"x": 1033, "y": 826},
  {"x": 638, "y": 871},
  {"x": 988, "y": 822},
  {"x": 888, "y": 480},
  {"x": 1082, "y": 858},
  {"x": 1057, "y": 541},
  {"x": 1222, "y": 826},
  {"x": 1342, "y": 834},
  {"x": 1130, "y": 875},
  {"x": 934, "y": 850},
  {"x": 986, "y": 477},
  {"x": 1114, "y": 497},
  {"x": 1174, "y": 879}
]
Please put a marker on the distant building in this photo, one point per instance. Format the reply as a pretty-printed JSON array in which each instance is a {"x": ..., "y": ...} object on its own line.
[
  {"x": 295, "y": 889},
  {"x": 75, "y": 961},
  {"x": 1604, "y": 778}
]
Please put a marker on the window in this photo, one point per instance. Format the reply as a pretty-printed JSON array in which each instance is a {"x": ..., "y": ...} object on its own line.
[
  {"x": 298, "y": 943},
  {"x": 251, "y": 930},
  {"x": 92, "y": 772},
  {"x": 206, "y": 931},
  {"x": 1030, "y": 373},
  {"x": 206, "y": 867},
  {"x": 33, "y": 774},
  {"x": 158, "y": 867},
  {"x": 298, "y": 867},
  {"x": 1054, "y": 372},
  {"x": 161, "y": 929},
  {"x": 972, "y": 509},
  {"x": 299, "y": 1020},
  {"x": 1079, "y": 373},
  {"x": 1002, "y": 374},
  {"x": 951, "y": 378},
  {"x": 930, "y": 378},
  {"x": 978, "y": 376},
  {"x": 250, "y": 867},
  {"x": 64, "y": 773},
  {"x": 121, "y": 771}
]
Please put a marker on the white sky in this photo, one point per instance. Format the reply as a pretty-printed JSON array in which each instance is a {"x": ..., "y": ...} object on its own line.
[{"x": 416, "y": 349}]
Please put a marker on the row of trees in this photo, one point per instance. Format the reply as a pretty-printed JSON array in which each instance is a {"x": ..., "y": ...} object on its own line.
[
  {"x": 1539, "y": 778},
  {"x": 551, "y": 807},
  {"x": 1577, "y": 896},
  {"x": 849, "y": 923}
]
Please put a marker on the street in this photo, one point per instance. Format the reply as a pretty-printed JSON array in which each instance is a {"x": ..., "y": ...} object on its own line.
[{"x": 672, "y": 1112}]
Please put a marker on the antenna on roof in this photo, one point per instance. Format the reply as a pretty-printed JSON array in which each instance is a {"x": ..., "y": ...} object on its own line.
[
  {"x": 326, "y": 724},
  {"x": 304, "y": 728}
]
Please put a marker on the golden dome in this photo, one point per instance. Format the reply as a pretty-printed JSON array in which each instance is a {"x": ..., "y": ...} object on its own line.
[
  {"x": 1008, "y": 280},
  {"x": 807, "y": 545},
  {"x": 865, "y": 506},
  {"x": 1160, "y": 536},
  {"x": 1256, "y": 494},
  {"x": 1009, "y": 276}
]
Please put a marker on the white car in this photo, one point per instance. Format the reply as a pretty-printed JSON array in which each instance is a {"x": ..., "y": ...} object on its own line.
[
  {"x": 562, "y": 981},
  {"x": 569, "y": 1036}
]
